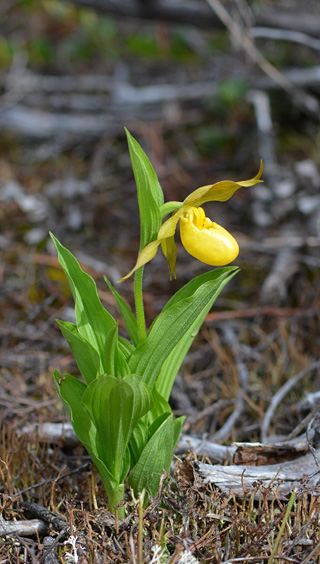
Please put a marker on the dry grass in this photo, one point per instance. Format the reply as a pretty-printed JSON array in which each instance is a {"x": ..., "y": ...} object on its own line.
[{"x": 186, "y": 515}]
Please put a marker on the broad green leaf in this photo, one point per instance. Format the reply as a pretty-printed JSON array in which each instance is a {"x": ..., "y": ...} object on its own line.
[
  {"x": 127, "y": 314},
  {"x": 121, "y": 366},
  {"x": 150, "y": 195},
  {"x": 116, "y": 405},
  {"x": 175, "y": 328},
  {"x": 126, "y": 465},
  {"x": 93, "y": 320},
  {"x": 86, "y": 356},
  {"x": 155, "y": 457},
  {"x": 110, "y": 350},
  {"x": 161, "y": 406},
  {"x": 172, "y": 363},
  {"x": 71, "y": 392},
  {"x": 177, "y": 428},
  {"x": 153, "y": 428},
  {"x": 138, "y": 441},
  {"x": 174, "y": 360},
  {"x": 214, "y": 277},
  {"x": 114, "y": 359},
  {"x": 125, "y": 347},
  {"x": 110, "y": 347},
  {"x": 110, "y": 483}
]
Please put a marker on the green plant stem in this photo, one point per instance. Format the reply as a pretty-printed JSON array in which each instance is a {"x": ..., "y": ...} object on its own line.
[
  {"x": 138, "y": 298},
  {"x": 115, "y": 496},
  {"x": 169, "y": 207}
]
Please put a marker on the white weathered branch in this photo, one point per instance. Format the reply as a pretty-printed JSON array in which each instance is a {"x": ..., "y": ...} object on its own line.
[
  {"x": 29, "y": 528},
  {"x": 241, "y": 479}
]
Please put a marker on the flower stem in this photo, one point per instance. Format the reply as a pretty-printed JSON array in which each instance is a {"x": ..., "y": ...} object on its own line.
[
  {"x": 169, "y": 207},
  {"x": 138, "y": 298}
]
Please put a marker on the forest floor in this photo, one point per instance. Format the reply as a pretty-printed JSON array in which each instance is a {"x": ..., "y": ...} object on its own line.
[{"x": 65, "y": 168}]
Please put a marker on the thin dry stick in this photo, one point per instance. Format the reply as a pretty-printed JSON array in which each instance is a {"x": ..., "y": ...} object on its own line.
[
  {"x": 314, "y": 422},
  {"x": 226, "y": 430},
  {"x": 304, "y": 100},
  {"x": 304, "y": 529},
  {"x": 286, "y": 35},
  {"x": 281, "y": 393},
  {"x": 315, "y": 552},
  {"x": 302, "y": 425}
]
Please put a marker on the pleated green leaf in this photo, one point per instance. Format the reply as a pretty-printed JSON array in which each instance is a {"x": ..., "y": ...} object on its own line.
[
  {"x": 93, "y": 320},
  {"x": 127, "y": 315},
  {"x": 138, "y": 441},
  {"x": 115, "y": 406},
  {"x": 172, "y": 332},
  {"x": 86, "y": 356},
  {"x": 71, "y": 392},
  {"x": 155, "y": 457},
  {"x": 125, "y": 347},
  {"x": 161, "y": 406},
  {"x": 114, "y": 360}
]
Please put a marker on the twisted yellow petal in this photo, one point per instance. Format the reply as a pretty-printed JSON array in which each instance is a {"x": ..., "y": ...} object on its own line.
[
  {"x": 220, "y": 191},
  {"x": 147, "y": 254},
  {"x": 165, "y": 238},
  {"x": 205, "y": 240}
]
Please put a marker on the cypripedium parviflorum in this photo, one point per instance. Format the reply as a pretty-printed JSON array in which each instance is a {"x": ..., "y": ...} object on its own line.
[{"x": 202, "y": 238}]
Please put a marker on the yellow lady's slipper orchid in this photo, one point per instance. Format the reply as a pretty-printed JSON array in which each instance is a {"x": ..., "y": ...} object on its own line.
[{"x": 202, "y": 238}]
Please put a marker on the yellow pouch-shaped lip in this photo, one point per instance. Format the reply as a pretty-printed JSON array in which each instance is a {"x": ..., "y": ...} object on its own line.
[{"x": 206, "y": 240}]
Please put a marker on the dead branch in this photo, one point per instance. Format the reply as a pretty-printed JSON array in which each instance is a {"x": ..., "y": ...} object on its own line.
[
  {"x": 49, "y": 517},
  {"x": 282, "y": 477},
  {"x": 219, "y": 453},
  {"x": 29, "y": 528},
  {"x": 198, "y": 14},
  {"x": 262, "y": 111},
  {"x": 171, "y": 11},
  {"x": 54, "y": 433},
  {"x": 285, "y": 35}
]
